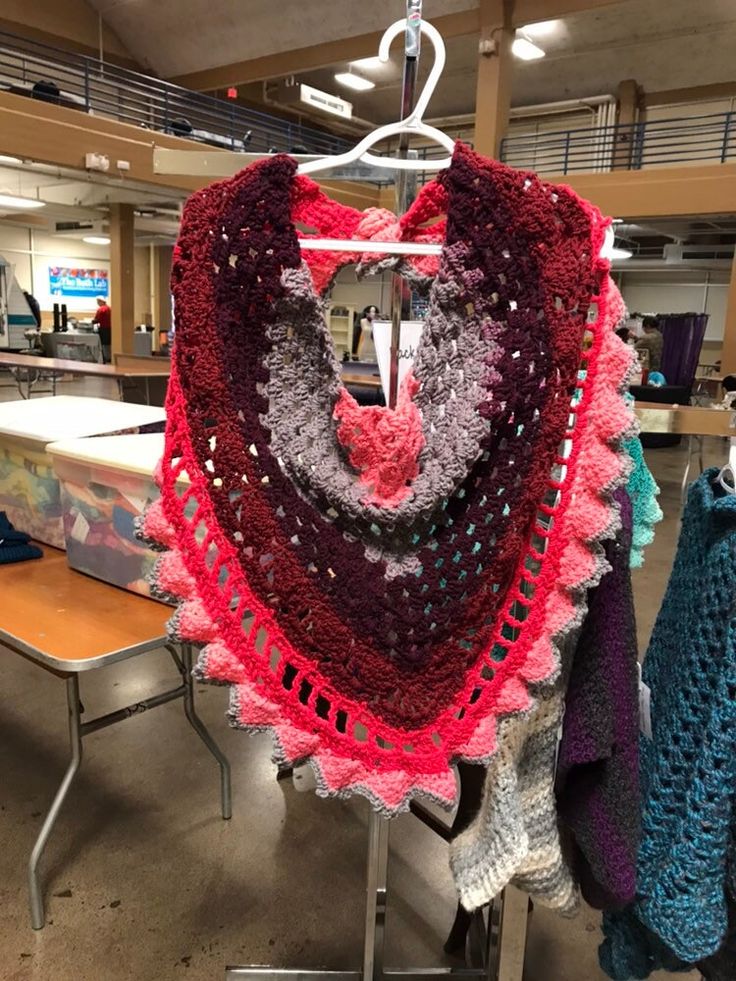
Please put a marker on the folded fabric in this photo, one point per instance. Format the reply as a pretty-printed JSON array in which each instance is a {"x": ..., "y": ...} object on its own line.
[{"x": 15, "y": 545}]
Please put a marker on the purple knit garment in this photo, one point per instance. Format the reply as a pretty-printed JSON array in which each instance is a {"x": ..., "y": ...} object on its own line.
[{"x": 598, "y": 772}]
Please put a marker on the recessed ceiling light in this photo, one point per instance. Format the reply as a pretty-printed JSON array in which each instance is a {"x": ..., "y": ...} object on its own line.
[
  {"x": 356, "y": 82},
  {"x": 543, "y": 28},
  {"x": 96, "y": 239},
  {"x": 524, "y": 49},
  {"x": 14, "y": 201},
  {"x": 369, "y": 64}
]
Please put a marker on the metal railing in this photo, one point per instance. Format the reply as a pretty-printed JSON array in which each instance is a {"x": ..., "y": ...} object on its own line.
[
  {"x": 657, "y": 143},
  {"x": 39, "y": 71}
]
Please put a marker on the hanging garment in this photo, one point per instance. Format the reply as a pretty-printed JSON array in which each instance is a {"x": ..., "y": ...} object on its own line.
[
  {"x": 689, "y": 766},
  {"x": 643, "y": 491},
  {"x": 380, "y": 587},
  {"x": 598, "y": 794},
  {"x": 592, "y": 722}
]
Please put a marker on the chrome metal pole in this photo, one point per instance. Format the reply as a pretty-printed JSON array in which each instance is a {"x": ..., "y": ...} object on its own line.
[
  {"x": 406, "y": 188},
  {"x": 375, "y": 897}
]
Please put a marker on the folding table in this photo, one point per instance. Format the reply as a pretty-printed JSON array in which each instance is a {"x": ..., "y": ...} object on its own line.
[{"x": 68, "y": 624}]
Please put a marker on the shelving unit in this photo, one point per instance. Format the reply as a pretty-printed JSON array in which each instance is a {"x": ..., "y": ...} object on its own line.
[{"x": 340, "y": 318}]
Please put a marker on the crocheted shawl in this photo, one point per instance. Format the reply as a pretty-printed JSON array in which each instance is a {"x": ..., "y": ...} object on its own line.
[{"x": 381, "y": 586}]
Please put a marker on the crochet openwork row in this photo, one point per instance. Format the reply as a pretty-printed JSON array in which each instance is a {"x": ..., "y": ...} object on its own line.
[{"x": 381, "y": 586}]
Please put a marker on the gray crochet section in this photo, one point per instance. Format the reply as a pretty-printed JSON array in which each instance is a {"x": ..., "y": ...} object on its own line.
[
  {"x": 514, "y": 838},
  {"x": 452, "y": 367}
]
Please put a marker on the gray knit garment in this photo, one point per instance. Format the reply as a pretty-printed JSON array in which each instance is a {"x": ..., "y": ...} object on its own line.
[{"x": 514, "y": 838}]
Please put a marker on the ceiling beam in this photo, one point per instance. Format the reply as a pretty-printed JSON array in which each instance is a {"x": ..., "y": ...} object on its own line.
[
  {"x": 696, "y": 93},
  {"x": 282, "y": 63}
]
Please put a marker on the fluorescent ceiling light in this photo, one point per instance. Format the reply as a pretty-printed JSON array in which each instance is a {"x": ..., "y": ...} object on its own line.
[
  {"x": 96, "y": 239},
  {"x": 9, "y": 160},
  {"x": 616, "y": 253},
  {"x": 13, "y": 201},
  {"x": 524, "y": 49},
  {"x": 356, "y": 82},
  {"x": 369, "y": 64},
  {"x": 542, "y": 28}
]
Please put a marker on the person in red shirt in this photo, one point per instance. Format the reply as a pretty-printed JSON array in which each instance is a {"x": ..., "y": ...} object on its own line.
[{"x": 103, "y": 320}]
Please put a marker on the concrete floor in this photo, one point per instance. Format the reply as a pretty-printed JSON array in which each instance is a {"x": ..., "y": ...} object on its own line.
[{"x": 144, "y": 880}]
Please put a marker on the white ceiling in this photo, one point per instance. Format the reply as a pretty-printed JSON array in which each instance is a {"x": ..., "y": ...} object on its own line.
[
  {"x": 588, "y": 55},
  {"x": 191, "y": 35},
  {"x": 676, "y": 44},
  {"x": 73, "y": 196}
]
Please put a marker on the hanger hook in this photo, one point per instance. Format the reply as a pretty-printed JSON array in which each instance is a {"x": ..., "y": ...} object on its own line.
[{"x": 390, "y": 34}]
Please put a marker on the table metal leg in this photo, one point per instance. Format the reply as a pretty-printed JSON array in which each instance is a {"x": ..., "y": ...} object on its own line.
[
  {"x": 199, "y": 727},
  {"x": 686, "y": 474},
  {"x": 75, "y": 739}
]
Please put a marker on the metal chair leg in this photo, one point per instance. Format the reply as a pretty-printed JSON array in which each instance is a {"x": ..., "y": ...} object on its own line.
[
  {"x": 75, "y": 739},
  {"x": 686, "y": 474},
  {"x": 199, "y": 727}
]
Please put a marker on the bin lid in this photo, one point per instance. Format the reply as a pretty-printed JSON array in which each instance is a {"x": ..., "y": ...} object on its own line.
[
  {"x": 65, "y": 416},
  {"x": 137, "y": 453}
]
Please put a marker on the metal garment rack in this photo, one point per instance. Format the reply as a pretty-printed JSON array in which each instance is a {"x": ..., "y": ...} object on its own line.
[{"x": 497, "y": 937}]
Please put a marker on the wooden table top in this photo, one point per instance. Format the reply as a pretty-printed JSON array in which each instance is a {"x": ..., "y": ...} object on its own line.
[
  {"x": 685, "y": 420},
  {"x": 70, "y": 622},
  {"x": 368, "y": 380},
  {"x": 156, "y": 368}
]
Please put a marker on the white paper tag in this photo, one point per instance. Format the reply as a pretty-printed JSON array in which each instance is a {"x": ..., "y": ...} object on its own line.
[
  {"x": 645, "y": 707},
  {"x": 560, "y": 728}
]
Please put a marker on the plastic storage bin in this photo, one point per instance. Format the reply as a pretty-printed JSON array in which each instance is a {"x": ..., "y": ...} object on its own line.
[
  {"x": 29, "y": 487},
  {"x": 105, "y": 484}
]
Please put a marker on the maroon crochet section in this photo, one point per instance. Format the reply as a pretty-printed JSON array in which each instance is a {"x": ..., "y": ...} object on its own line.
[{"x": 402, "y": 643}]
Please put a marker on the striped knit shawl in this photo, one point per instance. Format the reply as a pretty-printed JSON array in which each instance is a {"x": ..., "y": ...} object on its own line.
[{"x": 381, "y": 586}]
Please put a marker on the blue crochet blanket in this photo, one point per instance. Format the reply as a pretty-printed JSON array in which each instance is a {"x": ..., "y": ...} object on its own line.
[{"x": 689, "y": 766}]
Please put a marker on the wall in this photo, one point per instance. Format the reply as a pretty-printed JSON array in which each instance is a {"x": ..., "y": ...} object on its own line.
[
  {"x": 681, "y": 291},
  {"x": 32, "y": 252},
  {"x": 360, "y": 294}
]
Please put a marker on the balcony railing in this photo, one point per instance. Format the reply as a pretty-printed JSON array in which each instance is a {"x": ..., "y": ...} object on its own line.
[
  {"x": 685, "y": 141},
  {"x": 42, "y": 72}
]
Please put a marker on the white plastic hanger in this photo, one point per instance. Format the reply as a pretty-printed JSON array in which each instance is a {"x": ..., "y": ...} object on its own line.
[
  {"x": 413, "y": 123},
  {"x": 727, "y": 477}
]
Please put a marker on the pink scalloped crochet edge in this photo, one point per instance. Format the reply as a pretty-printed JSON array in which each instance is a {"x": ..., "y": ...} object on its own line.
[{"x": 587, "y": 517}]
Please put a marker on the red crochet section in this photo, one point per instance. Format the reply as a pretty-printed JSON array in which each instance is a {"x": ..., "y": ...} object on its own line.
[
  {"x": 385, "y": 646},
  {"x": 383, "y": 444},
  {"x": 312, "y": 208}
]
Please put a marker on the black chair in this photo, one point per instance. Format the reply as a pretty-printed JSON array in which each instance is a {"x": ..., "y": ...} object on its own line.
[
  {"x": 180, "y": 126},
  {"x": 46, "y": 91}
]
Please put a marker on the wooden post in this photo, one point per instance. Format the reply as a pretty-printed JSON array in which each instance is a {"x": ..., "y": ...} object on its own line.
[
  {"x": 493, "y": 91},
  {"x": 161, "y": 286},
  {"x": 122, "y": 277},
  {"x": 728, "y": 356},
  {"x": 627, "y": 96}
]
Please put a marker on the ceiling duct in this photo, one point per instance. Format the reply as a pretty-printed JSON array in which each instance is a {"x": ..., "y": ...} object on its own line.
[{"x": 678, "y": 253}]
